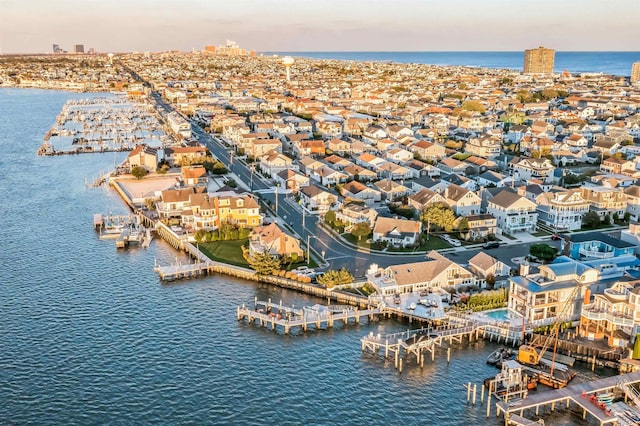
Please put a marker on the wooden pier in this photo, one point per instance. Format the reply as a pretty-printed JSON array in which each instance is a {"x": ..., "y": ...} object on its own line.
[
  {"x": 425, "y": 339},
  {"x": 279, "y": 317},
  {"x": 579, "y": 394}
]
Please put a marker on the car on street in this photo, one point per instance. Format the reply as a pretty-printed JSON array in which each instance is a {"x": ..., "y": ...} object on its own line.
[{"x": 491, "y": 245}]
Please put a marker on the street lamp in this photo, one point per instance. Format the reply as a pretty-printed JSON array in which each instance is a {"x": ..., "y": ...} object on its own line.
[{"x": 309, "y": 236}]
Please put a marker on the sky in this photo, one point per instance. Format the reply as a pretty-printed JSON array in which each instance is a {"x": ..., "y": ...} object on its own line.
[{"x": 32, "y": 26}]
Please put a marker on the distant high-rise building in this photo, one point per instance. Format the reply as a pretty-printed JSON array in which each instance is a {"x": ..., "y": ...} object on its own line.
[
  {"x": 78, "y": 48},
  {"x": 635, "y": 72},
  {"x": 539, "y": 61},
  {"x": 210, "y": 48},
  {"x": 56, "y": 48}
]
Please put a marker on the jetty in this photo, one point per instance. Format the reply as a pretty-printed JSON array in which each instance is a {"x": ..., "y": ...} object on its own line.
[{"x": 278, "y": 317}]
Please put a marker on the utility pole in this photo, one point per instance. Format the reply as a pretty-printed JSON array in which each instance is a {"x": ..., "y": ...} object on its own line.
[{"x": 308, "y": 251}]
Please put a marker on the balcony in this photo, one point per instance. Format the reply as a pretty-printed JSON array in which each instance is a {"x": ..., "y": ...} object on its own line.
[
  {"x": 593, "y": 313},
  {"x": 596, "y": 254},
  {"x": 617, "y": 296}
]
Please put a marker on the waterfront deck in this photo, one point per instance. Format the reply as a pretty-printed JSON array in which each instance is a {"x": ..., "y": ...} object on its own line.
[
  {"x": 279, "y": 317},
  {"x": 579, "y": 395}
]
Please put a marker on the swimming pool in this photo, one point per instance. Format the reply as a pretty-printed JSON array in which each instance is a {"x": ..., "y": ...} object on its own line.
[{"x": 499, "y": 314}]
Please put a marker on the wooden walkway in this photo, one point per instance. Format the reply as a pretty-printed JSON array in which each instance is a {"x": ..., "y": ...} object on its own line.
[
  {"x": 579, "y": 394},
  {"x": 274, "y": 316}
]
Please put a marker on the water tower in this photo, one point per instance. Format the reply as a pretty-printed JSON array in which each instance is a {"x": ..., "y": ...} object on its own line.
[
  {"x": 110, "y": 56},
  {"x": 287, "y": 61}
]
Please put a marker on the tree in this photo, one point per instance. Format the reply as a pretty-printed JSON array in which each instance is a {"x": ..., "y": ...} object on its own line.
[
  {"x": 330, "y": 217},
  {"x": 333, "y": 278},
  {"x": 463, "y": 225},
  {"x": 263, "y": 263},
  {"x": 361, "y": 229},
  {"x": 543, "y": 252},
  {"x": 591, "y": 220},
  {"x": 439, "y": 215},
  {"x": 490, "y": 280},
  {"x": 473, "y": 106},
  {"x": 139, "y": 172}
]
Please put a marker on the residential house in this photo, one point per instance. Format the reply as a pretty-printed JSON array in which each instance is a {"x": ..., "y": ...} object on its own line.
[
  {"x": 484, "y": 146},
  {"x": 398, "y": 155},
  {"x": 595, "y": 245},
  {"x": 305, "y": 148},
  {"x": 485, "y": 266},
  {"x": 359, "y": 191},
  {"x": 618, "y": 166},
  {"x": 428, "y": 150},
  {"x": 195, "y": 175},
  {"x": 143, "y": 156},
  {"x": 576, "y": 141},
  {"x": 352, "y": 212},
  {"x": 424, "y": 198},
  {"x": 391, "y": 190},
  {"x": 607, "y": 202},
  {"x": 327, "y": 176},
  {"x": 273, "y": 240},
  {"x": 339, "y": 146},
  {"x": 613, "y": 316},
  {"x": 315, "y": 199},
  {"x": 463, "y": 201},
  {"x": 533, "y": 168},
  {"x": 393, "y": 171},
  {"x": 369, "y": 161},
  {"x": 291, "y": 180},
  {"x": 273, "y": 163},
  {"x": 481, "y": 226},
  {"x": 359, "y": 173},
  {"x": 633, "y": 202},
  {"x": 260, "y": 147},
  {"x": 452, "y": 166},
  {"x": 419, "y": 277},
  {"x": 541, "y": 297},
  {"x": 397, "y": 232},
  {"x": 513, "y": 212},
  {"x": 185, "y": 155},
  {"x": 562, "y": 209}
]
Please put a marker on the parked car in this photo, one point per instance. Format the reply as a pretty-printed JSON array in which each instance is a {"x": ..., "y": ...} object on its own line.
[
  {"x": 556, "y": 237},
  {"x": 491, "y": 245}
]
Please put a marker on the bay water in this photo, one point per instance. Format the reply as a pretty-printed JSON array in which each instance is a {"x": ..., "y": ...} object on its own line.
[{"x": 89, "y": 335}]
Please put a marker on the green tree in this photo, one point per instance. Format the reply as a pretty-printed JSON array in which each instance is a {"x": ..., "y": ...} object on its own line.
[
  {"x": 543, "y": 251},
  {"x": 139, "y": 172},
  {"x": 330, "y": 217},
  {"x": 262, "y": 263},
  {"x": 463, "y": 225},
  {"x": 440, "y": 216},
  {"x": 361, "y": 229},
  {"x": 591, "y": 220},
  {"x": 333, "y": 278}
]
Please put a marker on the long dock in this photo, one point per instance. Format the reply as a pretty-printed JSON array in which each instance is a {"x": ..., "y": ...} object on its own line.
[
  {"x": 578, "y": 394},
  {"x": 277, "y": 316}
]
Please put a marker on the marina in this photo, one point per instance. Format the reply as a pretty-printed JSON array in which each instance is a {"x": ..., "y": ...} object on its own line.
[{"x": 103, "y": 124}]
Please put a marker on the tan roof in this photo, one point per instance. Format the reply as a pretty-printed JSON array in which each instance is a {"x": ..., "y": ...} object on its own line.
[
  {"x": 482, "y": 261},
  {"x": 385, "y": 225}
]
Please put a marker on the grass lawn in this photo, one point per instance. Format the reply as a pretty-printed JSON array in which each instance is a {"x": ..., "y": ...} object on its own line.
[
  {"x": 225, "y": 251},
  {"x": 434, "y": 243},
  {"x": 508, "y": 236},
  {"x": 541, "y": 233},
  {"x": 364, "y": 242}
]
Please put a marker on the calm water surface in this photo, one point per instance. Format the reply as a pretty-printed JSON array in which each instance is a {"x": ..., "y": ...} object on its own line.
[{"x": 88, "y": 335}]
